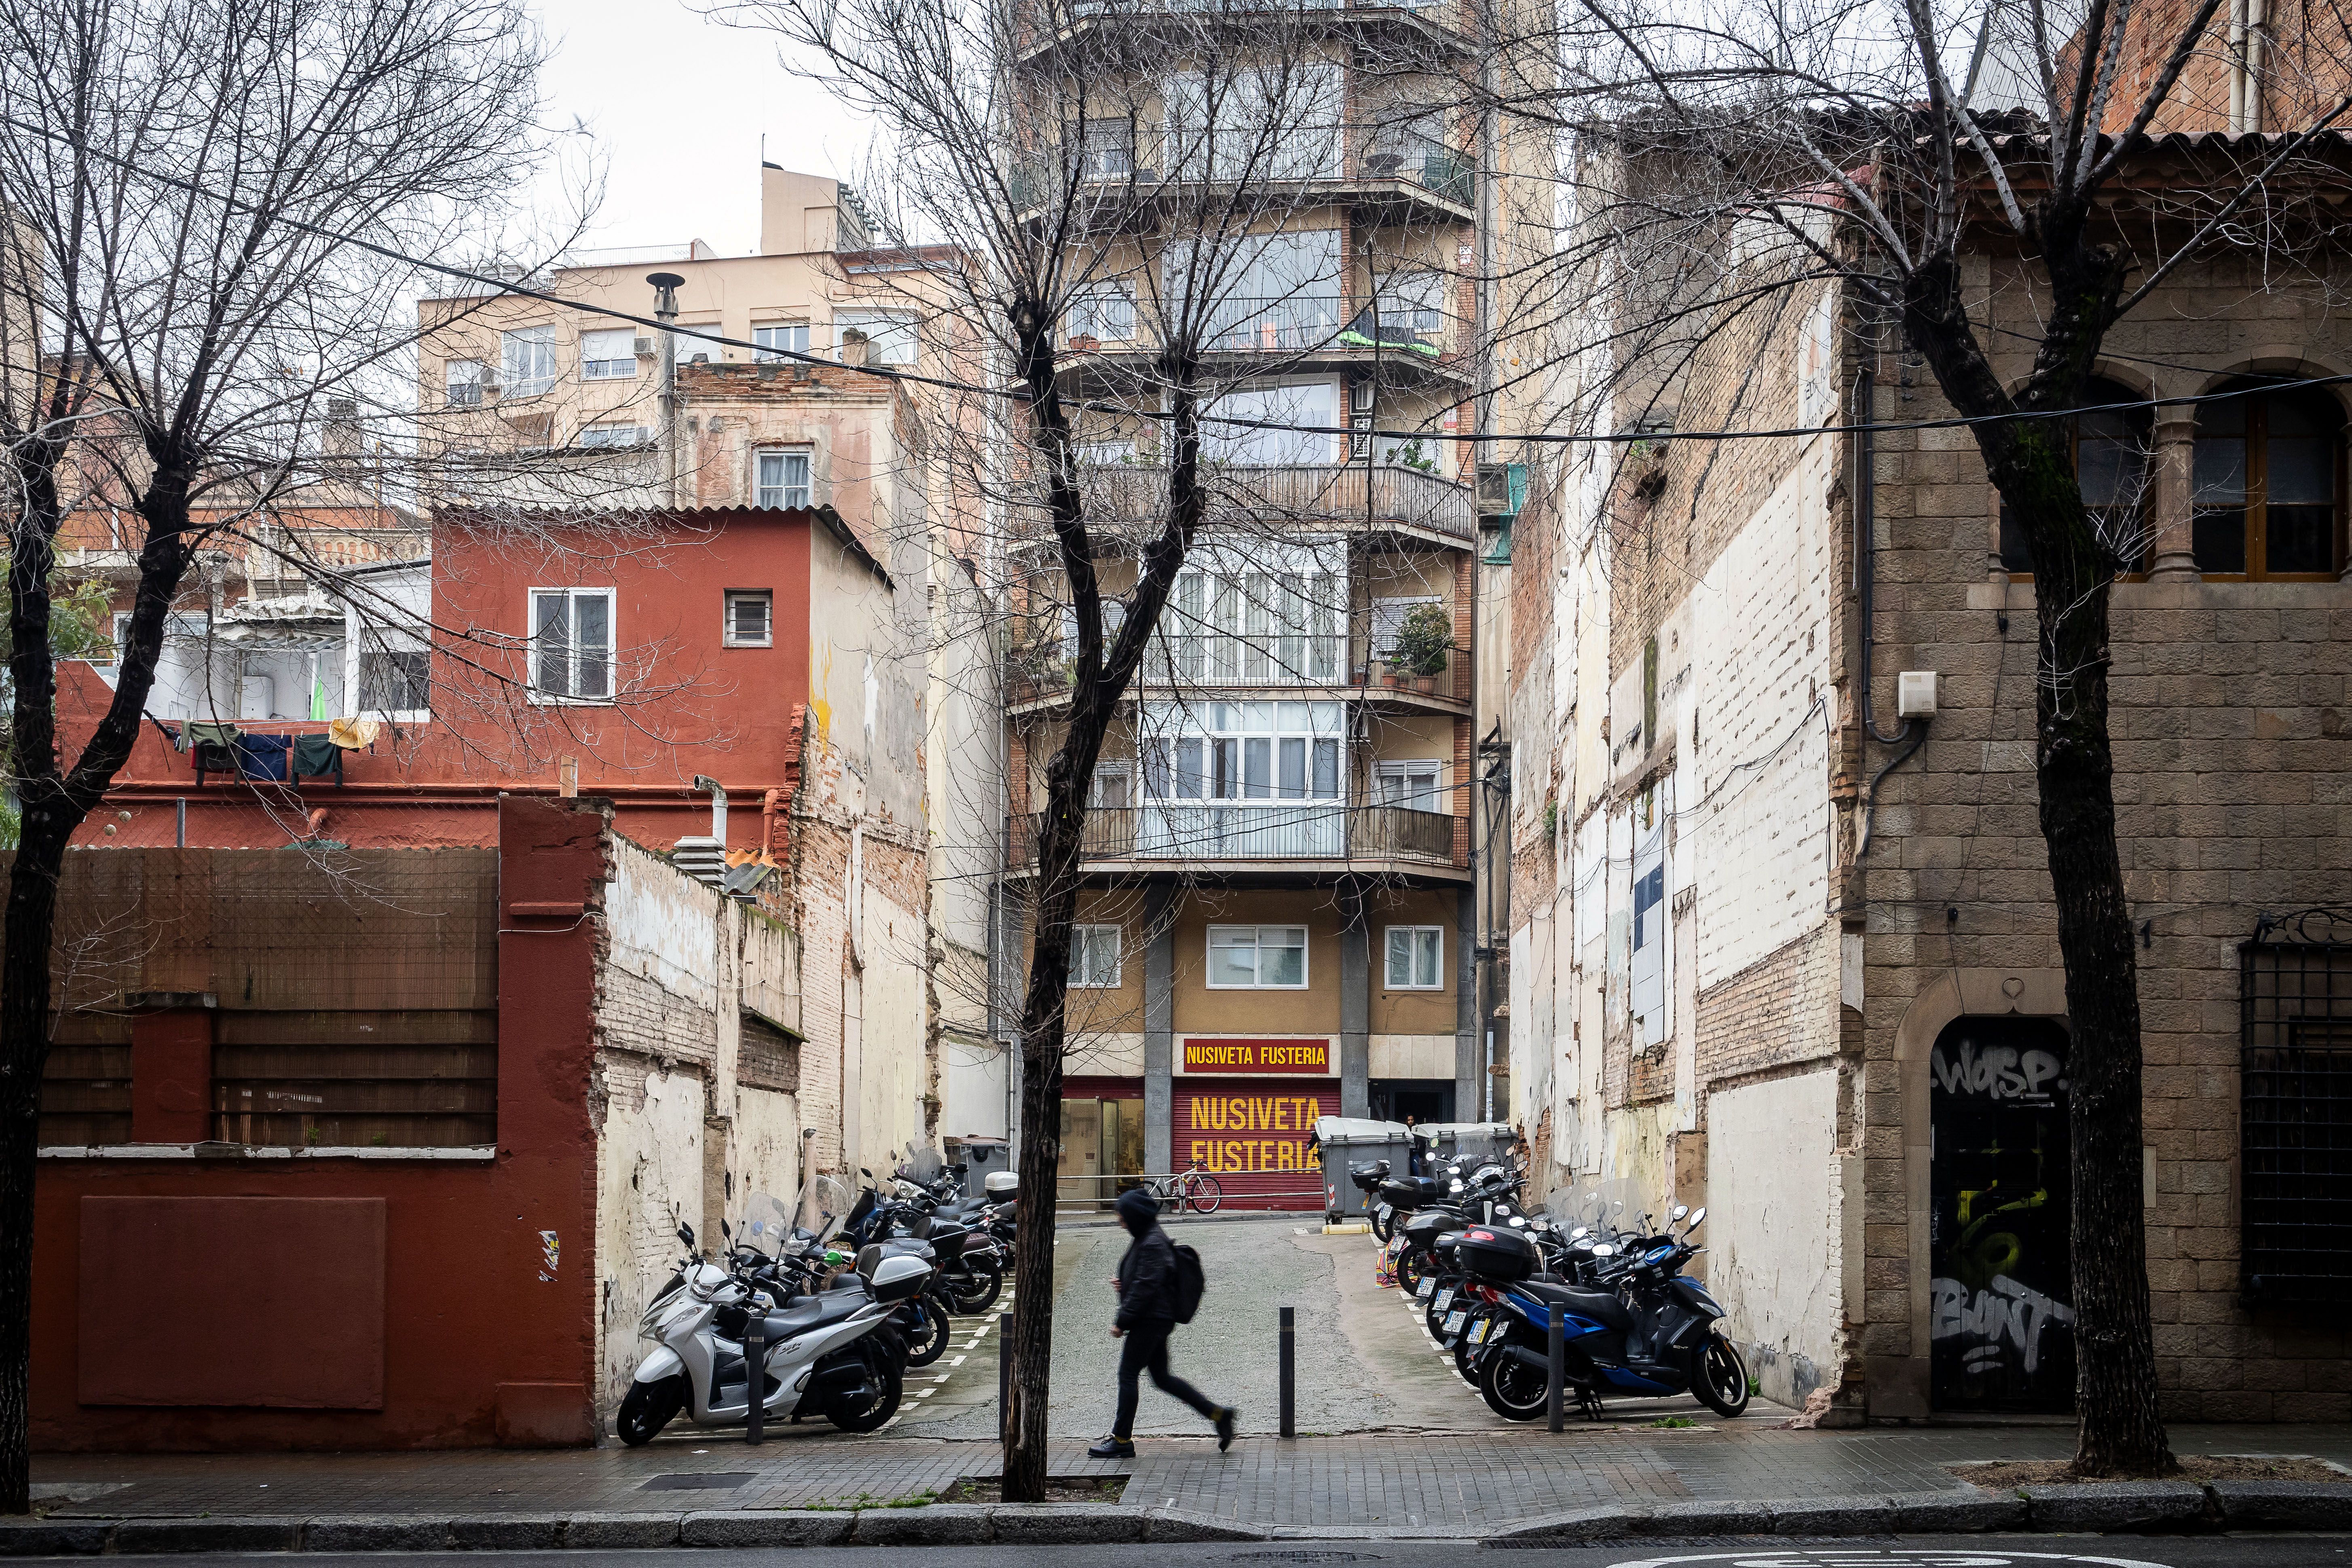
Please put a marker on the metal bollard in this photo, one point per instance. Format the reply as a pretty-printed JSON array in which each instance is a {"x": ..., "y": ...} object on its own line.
[
  {"x": 1288, "y": 1371},
  {"x": 755, "y": 1375},
  {"x": 1556, "y": 1371}
]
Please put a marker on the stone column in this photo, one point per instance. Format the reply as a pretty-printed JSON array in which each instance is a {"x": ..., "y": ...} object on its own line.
[
  {"x": 1355, "y": 1004},
  {"x": 2172, "y": 514},
  {"x": 1158, "y": 1024}
]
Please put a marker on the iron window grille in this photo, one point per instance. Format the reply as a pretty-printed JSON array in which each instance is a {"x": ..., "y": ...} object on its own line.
[{"x": 2294, "y": 998}]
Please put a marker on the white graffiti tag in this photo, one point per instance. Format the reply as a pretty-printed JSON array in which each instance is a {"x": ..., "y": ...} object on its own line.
[
  {"x": 2004, "y": 1314},
  {"x": 2002, "y": 1072}
]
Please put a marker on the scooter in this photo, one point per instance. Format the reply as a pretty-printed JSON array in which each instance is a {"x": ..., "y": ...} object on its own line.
[{"x": 828, "y": 1354}]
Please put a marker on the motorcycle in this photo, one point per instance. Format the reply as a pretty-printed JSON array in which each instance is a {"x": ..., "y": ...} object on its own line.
[
  {"x": 971, "y": 1269},
  {"x": 1640, "y": 1327},
  {"x": 830, "y": 1351}
]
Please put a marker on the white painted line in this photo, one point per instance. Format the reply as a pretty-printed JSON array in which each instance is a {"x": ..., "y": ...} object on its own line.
[
  {"x": 955, "y": 1361},
  {"x": 925, "y": 1393}
]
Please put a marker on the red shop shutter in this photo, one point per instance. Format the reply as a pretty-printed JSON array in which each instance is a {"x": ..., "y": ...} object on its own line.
[{"x": 1251, "y": 1133}]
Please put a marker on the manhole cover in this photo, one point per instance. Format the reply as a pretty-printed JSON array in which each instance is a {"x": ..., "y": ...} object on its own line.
[{"x": 700, "y": 1481}]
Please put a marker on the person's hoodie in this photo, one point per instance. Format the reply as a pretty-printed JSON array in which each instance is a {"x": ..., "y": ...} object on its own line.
[{"x": 1146, "y": 1275}]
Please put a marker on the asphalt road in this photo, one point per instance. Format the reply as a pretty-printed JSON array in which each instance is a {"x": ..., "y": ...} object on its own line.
[{"x": 1921, "y": 1551}]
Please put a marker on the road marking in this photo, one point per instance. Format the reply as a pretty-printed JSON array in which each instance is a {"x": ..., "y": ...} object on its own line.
[
  {"x": 955, "y": 1361},
  {"x": 1957, "y": 1557}
]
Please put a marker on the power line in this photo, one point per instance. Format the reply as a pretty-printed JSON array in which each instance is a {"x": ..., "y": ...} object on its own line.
[{"x": 1545, "y": 437}]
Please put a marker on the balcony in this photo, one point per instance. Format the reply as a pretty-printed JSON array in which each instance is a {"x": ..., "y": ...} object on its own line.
[
  {"x": 1438, "y": 22},
  {"x": 1299, "y": 833},
  {"x": 1330, "y": 494}
]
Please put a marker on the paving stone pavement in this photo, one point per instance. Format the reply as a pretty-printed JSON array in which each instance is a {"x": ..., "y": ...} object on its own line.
[{"x": 1398, "y": 1480}]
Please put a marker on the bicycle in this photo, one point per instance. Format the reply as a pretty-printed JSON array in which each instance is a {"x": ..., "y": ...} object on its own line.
[{"x": 1192, "y": 1187}]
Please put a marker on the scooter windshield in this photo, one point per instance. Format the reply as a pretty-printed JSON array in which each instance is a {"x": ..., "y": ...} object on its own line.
[
  {"x": 766, "y": 1225},
  {"x": 823, "y": 1204}
]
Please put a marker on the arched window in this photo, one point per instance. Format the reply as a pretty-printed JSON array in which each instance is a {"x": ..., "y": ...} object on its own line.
[
  {"x": 2111, "y": 465},
  {"x": 2269, "y": 491}
]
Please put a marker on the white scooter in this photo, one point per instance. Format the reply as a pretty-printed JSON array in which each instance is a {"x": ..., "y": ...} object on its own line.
[{"x": 822, "y": 1353}]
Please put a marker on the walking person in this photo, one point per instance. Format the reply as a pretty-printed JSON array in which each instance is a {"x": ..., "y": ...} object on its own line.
[{"x": 1148, "y": 1314}]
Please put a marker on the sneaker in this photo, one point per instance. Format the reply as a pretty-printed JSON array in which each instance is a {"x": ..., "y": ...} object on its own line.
[
  {"x": 1225, "y": 1427},
  {"x": 1112, "y": 1448}
]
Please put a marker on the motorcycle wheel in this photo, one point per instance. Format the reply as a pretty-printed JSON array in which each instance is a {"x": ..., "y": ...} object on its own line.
[
  {"x": 1410, "y": 1269},
  {"x": 866, "y": 1412},
  {"x": 1511, "y": 1389},
  {"x": 648, "y": 1408},
  {"x": 977, "y": 1293},
  {"x": 1381, "y": 1222},
  {"x": 927, "y": 1343},
  {"x": 1718, "y": 1377}
]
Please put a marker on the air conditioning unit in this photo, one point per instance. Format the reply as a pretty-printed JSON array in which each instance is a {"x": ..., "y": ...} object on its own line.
[
  {"x": 1363, "y": 395},
  {"x": 643, "y": 348},
  {"x": 1494, "y": 487},
  {"x": 490, "y": 390}
]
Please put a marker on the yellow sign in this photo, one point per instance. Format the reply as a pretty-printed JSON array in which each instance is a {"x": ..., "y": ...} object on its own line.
[
  {"x": 1239, "y": 1133},
  {"x": 1257, "y": 1056}
]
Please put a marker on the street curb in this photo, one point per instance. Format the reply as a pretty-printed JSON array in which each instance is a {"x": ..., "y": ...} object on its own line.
[{"x": 2099, "y": 1508}]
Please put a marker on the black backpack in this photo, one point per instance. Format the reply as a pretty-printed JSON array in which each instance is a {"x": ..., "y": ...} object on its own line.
[{"x": 1188, "y": 1281}]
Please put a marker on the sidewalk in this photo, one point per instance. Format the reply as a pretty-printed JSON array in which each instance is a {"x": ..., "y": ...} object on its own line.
[{"x": 1717, "y": 1477}]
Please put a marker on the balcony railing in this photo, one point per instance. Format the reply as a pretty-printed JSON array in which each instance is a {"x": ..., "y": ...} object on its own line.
[
  {"x": 1243, "y": 496},
  {"x": 1445, "y": 174},
  {"x": 1181, "y": 832}
]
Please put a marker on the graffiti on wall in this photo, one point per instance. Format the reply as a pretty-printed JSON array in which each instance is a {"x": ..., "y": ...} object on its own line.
[
  {"x": 2004, "y": 1320},
  {"x": 1998, "y": 1071}
]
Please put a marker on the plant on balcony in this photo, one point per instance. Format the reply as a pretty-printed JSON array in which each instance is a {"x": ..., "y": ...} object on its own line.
[
  {"x": 1425, "y": 642},
  {"x": 1411, "y": 456}
]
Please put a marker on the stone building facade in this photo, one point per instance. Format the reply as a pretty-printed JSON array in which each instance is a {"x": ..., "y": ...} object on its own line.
[{"x": 1765, "y": 960}]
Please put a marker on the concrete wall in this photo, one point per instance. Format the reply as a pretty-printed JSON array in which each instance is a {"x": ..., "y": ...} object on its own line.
[{"x": 1773, "y": 1228}]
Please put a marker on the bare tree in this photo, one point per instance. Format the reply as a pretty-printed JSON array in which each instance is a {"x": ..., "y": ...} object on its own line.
[
  {"x": 1974, "y": 186},
  {"x": 186, "y": 187},
  {"x": 1132, "y": 196}
]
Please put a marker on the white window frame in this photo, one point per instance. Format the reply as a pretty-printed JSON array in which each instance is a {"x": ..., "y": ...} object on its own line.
[
  {"x": 533, "y": 339},
  {"x": 1388, "y": 958},
  {"x": 612, "y": 437},
  {"x": 1084, "y": 974},
  {"x": 359, "y": 683},
  {"x": 807, "y": 455},
  {"x": 1105, "y": 312},
  {"x": 544, "y": 698},
  {"x": 765, "y": 334},
  {"x": 1257, "y": 950},
  {"x": 453, "y": 381},
  {"x": 1225, "y": 733},
  {"x": 885, "y": 330},
  {"x": 733, "y": 596},
  {"x": 594, "y": 366},
  {"x": 1388, "y": 768},
  {"x": 1122, "y": 770}
]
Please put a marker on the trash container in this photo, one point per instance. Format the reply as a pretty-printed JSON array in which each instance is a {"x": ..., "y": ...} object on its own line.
[
  {"x": 1347, "y": 1140},
  {"x": 1466, "y": 1141},
  {"x": 980, "y": 1157}
]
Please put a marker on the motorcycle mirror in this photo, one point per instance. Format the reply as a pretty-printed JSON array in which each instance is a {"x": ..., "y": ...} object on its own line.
[
  {"x": 865, "y": 1172},
  {"x": 1696, "y": 1215},
  {"x": 1580, "y": 1231},
  {"x": 1602, "y": 1249},
  {"x": 724, "y": 1232},
  {"x": 1681, "y": 1210},
  {"x": 686, "y": 1235}
]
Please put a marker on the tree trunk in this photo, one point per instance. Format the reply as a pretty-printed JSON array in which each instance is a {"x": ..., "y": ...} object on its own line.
[
  {"x": 23, "y": 1046},
  {"x": 2120, "y": 1421}
]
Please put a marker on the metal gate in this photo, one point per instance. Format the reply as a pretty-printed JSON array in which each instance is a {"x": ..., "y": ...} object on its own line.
[
  {"x": 1251, "y": 1134},
  {"x": 2295, "y": 1120},
  {"x": 2001, "y": 1320}
]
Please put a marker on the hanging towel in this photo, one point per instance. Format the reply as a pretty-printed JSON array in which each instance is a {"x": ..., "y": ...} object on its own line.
[
  {"x": 263, "y": 757},
  {"x": 354, "y": 735},
  {"x": 209, "y": 731},
  {"x": 317, "y": 754}
]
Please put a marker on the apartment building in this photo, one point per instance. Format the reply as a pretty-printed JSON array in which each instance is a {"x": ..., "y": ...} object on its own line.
[
  {"x": 1280, "y": 918},
  {"x": 1783, "y": 950}
]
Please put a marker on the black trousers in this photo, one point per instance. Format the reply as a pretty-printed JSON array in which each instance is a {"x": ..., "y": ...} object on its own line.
[{"x": 1145, "y": 1348}]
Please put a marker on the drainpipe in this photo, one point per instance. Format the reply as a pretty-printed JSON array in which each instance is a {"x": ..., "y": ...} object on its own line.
[
  {"x": 1865, "y": 570},
  {"x": 665, "y": 287},
  {"x": 770, "y": 805},
  {"x": 718, "y": 808}
]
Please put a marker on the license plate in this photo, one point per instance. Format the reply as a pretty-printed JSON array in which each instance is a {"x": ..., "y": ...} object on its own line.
[
  {"x": 1385, "y": 1212},
  {"x": 1479, "y": 1333},
  {"x": 1444, "y": 1299},
  {"x": 1454, "y": 1321},
  {"x": 1425, "y": 1287}
]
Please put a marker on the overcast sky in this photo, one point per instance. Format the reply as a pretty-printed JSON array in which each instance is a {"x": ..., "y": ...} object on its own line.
[{"x": 676, "y": 107}]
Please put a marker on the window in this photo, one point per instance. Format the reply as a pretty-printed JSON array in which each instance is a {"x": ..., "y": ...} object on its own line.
[
  {"x": 1094, "y": 956},
  {"x": 609, "y": 355},
  {"x": 2266, "y": 485},
  {"x": 790, "y": 336},
  {"x": 395, "y": 680},
  {"x": 889, "y": 338},
  {"x": 1649, "y": 991},
  {"x": 750, "y": 617},
  {"x": 526, "y": 362},
  {"x": 1106, "y": 311},
  {"x": 2294, "y": 1013},
  {"x": 1107, "y": 148},
  {"x": 615, "y": 435},
  {"x": 783, "y": 478},
  {"x": 1243, "y": 751},
  {"x": 2111, "y": 453},
  {"x": 1413, "y": 783},
  {"x": 461, "y": 383},
  {"x": 1277, "y": 291},
  {"x": 1281, "y": 123},
  {"x": 1408, "y": 308},
  {"x": 701, "y": 350},
  {"x": 1276, "y": 618},
  {"x": 1113, "y": 788},
  {"x": 571, "y": 644},
  {"x": 1387, "y": 621},
  {"x": 1264, "y": 958},
  {"x": 1248, "y": 442},
  {"x": 1416, "y": 958}
]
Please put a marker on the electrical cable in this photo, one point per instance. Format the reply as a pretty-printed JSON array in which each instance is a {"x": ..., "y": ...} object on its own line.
[{"x": 1018, "y": 394}]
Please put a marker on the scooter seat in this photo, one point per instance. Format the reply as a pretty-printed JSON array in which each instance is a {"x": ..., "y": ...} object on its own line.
[
  {"x": 1598, "y": 1305},
  {"x": 812, "y": 1312}
]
